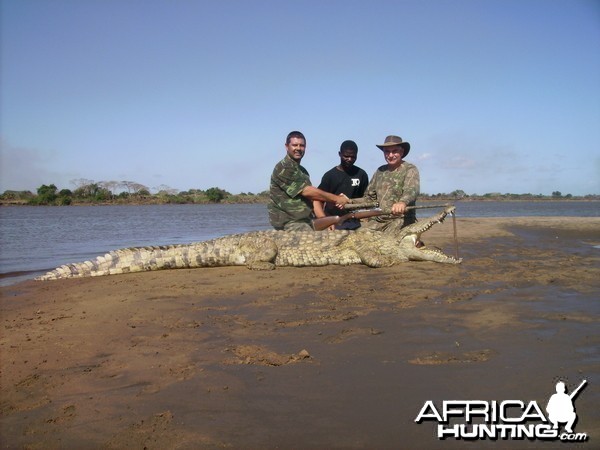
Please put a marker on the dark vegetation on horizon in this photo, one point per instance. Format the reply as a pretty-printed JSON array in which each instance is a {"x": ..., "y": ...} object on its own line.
[{"x": 88, "y": 192}]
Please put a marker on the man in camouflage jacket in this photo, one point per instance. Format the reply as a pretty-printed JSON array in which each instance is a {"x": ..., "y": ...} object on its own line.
[
  {"x": 394, "y": 186},
  {"x": 291, "y": 192}
]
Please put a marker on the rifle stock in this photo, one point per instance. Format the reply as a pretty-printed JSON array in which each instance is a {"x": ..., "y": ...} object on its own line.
[{"x": 323, "y": 223}]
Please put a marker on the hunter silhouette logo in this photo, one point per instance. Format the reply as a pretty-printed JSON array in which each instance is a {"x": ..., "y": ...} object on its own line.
[
  {"x": 507, "y": 419},
  {"x": 560, "y": 406}
]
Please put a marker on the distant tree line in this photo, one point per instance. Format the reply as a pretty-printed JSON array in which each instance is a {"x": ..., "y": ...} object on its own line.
[
  {"x": 124, "y": 192},
  {"x": 130, "y": 192},
  {"x": 462, "y": 195}
]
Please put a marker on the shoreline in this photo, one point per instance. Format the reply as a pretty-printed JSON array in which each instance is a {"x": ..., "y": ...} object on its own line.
[
  {"x": 10, "y": 278},
  {"x": 316, "y": 357},
  {"x": 593, "y": 198}
]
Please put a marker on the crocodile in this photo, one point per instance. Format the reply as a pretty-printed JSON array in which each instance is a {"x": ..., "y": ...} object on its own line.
[{"x": 264, "y": 250}]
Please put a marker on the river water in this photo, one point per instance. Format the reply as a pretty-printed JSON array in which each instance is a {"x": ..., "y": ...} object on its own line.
[{"x": 35, "y": 239}]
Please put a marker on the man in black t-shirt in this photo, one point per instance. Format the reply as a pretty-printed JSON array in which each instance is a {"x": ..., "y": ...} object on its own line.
[{"x": 347, "y": 179}]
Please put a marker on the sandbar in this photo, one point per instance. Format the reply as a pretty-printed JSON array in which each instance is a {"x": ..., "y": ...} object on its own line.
[{"x": 306, "y": 358}]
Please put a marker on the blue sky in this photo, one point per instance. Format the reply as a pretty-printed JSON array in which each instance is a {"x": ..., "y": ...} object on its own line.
[{"x": 493, "y": 95}]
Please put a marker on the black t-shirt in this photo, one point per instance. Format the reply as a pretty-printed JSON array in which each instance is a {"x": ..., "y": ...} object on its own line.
[{"x": 352, "y": 183}]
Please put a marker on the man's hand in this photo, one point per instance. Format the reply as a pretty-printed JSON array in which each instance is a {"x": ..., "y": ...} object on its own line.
[
  {"x": 399, "y": 208},
  {"x": 341, "y": 200}
]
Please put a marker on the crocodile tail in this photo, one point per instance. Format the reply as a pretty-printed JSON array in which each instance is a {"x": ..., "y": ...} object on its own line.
[
  {"x": 139, "y": 259},
  {"x": 115, "y": 262},
  {"x": 217, "y": 252}
]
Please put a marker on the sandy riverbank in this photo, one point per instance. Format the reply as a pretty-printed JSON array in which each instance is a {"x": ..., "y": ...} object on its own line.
[{"x": 334, "y": 357}]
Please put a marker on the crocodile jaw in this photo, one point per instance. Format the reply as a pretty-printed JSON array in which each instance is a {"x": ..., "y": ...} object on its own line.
[{"x": 410, "y": 235}]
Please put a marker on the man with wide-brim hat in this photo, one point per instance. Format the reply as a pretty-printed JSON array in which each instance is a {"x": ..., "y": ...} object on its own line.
[{"x": 395, "y": 186}]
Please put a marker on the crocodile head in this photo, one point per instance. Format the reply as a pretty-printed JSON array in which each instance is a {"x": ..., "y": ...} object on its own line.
[{"x": 411, "y": 234}]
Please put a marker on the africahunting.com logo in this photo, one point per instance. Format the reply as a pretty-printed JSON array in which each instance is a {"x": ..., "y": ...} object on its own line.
[{"x": 508, "y": 419}]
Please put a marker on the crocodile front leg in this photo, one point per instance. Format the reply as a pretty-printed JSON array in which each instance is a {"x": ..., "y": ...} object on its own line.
[
  {"x": 372, "y": 257},
  {"x": 259, "y": 255}
]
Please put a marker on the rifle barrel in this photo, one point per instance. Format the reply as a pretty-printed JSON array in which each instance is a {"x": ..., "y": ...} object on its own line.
[
  {"x": 351, "y": 206},
  {"x": 428, "y": 206},
  {"x": 325, "y": 222},
  {"x": 576, "y": 391},
  {"x": 354, "y": 206}
]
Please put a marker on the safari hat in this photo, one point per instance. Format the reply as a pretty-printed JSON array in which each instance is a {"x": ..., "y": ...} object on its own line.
[{"x": 395, "y": 140}]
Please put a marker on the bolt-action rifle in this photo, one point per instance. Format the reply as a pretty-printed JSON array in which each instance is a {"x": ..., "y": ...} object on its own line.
[{"x": 323, "y": 223}]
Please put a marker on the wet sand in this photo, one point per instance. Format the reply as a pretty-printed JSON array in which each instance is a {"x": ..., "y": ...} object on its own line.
[{"x": 306, "y": 358}]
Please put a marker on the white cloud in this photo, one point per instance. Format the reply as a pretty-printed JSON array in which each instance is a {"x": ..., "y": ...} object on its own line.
[{"x": 424, "y": 156}]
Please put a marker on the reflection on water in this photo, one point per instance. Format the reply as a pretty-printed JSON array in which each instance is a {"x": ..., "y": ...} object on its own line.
[{"x": 36, "y": 239}]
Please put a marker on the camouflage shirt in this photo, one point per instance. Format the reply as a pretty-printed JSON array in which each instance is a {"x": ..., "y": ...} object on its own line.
[
  {"x": 392, "y": 186},
  {"x": 288, "y": 180}
]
